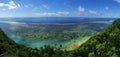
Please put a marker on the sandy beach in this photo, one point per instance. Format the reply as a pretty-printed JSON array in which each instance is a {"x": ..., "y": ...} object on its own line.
[{"x": 77, "y": 43}]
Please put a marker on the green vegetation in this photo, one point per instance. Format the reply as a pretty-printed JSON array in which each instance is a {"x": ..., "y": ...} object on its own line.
[
  {"x": 104, "y": 44},
  {"x": 9, "y": 48}
]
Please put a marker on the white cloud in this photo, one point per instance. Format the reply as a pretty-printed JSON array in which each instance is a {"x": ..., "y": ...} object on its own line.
[
  {"x": 18, "y": 5},
  {"x": 28, "y": 6},
  {"x": 52, "y": 14},
  {"x": 92, "y": 12},
  {"x": 62, "y": 13},
  {"x": 1, "y": 4},
  {"x": 117, "y": 1},
  {"x": 81, "y": 9},
  {"x": 44, "y": 14},
  {"x": 106, "y": 8},
  {"x": 10, "y": 5}
]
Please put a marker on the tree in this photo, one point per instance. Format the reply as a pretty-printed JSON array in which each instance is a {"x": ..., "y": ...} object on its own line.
[
  {"x": 91, "y": 54},
  {"x": 114, "y": 55}
]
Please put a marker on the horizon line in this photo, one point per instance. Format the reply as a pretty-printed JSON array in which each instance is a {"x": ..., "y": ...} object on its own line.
[{"x": 60, "y": 17}]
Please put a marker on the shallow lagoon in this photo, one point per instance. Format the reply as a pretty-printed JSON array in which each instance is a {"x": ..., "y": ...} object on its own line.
[{"x": 57, "y": 31}]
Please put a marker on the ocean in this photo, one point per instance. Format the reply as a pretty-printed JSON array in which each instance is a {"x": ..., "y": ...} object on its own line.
[{"x": 54, "y": 31}]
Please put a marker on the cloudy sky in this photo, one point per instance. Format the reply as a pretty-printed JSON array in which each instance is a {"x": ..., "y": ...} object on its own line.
[{"x": 59, "y": 8}]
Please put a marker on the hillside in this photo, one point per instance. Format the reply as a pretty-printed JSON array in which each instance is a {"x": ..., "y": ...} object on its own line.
[
  {"x": 104, "y": 44},
  {"x": 9, "y": 48}
]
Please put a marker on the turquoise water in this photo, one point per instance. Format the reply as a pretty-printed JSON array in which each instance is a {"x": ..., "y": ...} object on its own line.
[{"x": 57, "y": 32}]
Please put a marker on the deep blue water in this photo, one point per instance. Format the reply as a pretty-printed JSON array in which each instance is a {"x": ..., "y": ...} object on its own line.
[{"x": 55, "y": 19}]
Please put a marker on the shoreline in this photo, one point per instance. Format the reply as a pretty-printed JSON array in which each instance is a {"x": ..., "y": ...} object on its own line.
[{"x": 78, "y": 42}]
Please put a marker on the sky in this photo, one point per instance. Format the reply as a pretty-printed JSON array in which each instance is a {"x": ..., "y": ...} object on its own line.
[{"x": 60, "y": 8}]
